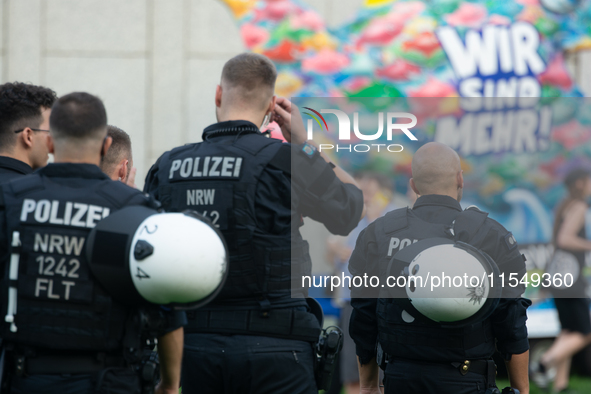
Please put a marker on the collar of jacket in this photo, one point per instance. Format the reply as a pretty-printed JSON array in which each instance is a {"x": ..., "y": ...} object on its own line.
[
  {"x": 15, "y": 165},
  {"x": 438, "y": 200},
  {"x": 72, "y": 170},
  {"x": 231, "y": 127}
]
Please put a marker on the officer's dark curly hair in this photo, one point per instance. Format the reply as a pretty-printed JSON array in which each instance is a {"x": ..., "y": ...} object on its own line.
[
  {"x": 78, "y": 115},
  {"x": 20, "y": 107}
]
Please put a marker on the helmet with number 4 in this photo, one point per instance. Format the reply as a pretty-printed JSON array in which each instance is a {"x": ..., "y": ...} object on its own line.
[{"x": 174, "y": 259}]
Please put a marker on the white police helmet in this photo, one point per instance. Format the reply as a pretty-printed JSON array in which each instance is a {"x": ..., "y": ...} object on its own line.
[
  {"x": 174, "y": 259},
  {"x": 451, "y": 283}
]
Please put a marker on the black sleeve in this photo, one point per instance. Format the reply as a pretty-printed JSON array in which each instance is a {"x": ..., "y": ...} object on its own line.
[
  {"x": 363, "y": 326},
  {"x": 322, "y": 196},
  {"x": 509, "y": 318},
  {"x": 175, "y": 320},
  {"x": 502, "y": 247},
  {"x": 508, "y": 323}
]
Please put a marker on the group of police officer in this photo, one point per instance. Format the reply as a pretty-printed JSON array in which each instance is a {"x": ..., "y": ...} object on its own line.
[{"x": 62, "y": 332}]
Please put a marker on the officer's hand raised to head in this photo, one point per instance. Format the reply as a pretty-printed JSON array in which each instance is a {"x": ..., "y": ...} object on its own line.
[{"x": 289, "y": 119}]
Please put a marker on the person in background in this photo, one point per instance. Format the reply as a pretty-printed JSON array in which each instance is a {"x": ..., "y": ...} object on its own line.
[
  {"x": 118, "y": 162},
  {"x": 571, "y": 244},
  {"x": 377, "y": 196},
  {"x": 24, "y": 128}
]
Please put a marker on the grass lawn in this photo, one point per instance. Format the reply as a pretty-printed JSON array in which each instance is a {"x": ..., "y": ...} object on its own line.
[{"x": 581, "y": 384}]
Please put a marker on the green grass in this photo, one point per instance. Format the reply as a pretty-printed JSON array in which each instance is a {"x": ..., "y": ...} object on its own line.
[{"x": 580, "y": 384}]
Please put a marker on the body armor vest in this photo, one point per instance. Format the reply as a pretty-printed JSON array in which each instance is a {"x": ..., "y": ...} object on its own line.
[
  {"x": 219, "y": 179},
  {"x": 424, "y": 339},
  {"x": 49, "y": 297}
]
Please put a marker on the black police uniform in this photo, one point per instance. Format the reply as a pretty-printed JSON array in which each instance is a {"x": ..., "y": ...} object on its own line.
[
  {"x": 422, "y": 356},
  {"x": 254, "y": 337},
  {"x": 56, "y": 319},
  {"x": 12, "y": 168}
]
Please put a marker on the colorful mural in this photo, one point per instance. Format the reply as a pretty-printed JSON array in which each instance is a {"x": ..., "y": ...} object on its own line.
[
  {"x": 438, "y": 48},
  {"x": 434, "y": 59}
]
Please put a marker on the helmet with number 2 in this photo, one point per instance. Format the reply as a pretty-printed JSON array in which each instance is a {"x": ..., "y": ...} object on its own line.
[{"x": 174, "y": 259}]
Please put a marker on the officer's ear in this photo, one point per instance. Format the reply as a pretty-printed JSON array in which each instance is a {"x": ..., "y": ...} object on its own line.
[
  {"x": 122, "y": 173},
  {"x": 460, "y": 179},
  {"x": 50, "y": 144},
  {"x": 414, "y": 187},
  {"x": 27, "y": 137},
  {"x": 106, "y": 145},
  {"x": 218, "y": 96},
  {"x": 272, "y": 105}
]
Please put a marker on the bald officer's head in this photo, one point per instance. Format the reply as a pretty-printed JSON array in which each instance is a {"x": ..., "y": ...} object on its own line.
[{"x": 436, "y": 169}]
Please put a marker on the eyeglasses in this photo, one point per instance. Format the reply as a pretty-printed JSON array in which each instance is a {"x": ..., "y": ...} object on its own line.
[{"x": 18, "y": 131}]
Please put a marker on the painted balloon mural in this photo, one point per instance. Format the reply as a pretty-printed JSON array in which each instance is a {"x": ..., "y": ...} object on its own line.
[{"x": 489, "y": 78}]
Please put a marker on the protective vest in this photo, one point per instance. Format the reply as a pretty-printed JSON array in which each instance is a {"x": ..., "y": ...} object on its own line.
[
  {"x": 49, "y": 298},
  {"x": 219, "y": 178},
  {"x": 423, "y": 339}
]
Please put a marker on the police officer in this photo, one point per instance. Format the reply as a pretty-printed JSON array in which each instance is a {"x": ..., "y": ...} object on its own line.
[
  {"x": 24, "y": 124},
  {"x": 424, "y": 356},
  {"x": 255, "y": 338},
  {"x": 118, "y": 162},
  {"x": 62, "y": 333}
]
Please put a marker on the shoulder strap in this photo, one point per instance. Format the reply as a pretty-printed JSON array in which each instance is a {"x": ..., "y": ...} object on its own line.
[
  {"x": 115, "y": 192},
  {"x": 2, "y": 203},
  {"x": 468, "y": 223},
  {"x": 282, "y": 159},
  {"x": 254, "y": 143},
  {"x": 396, "y": 220},
  {"x": 180, "y": 150},
  {"x": 25, "y": 185},
  {"x": 313, "y": 173}
]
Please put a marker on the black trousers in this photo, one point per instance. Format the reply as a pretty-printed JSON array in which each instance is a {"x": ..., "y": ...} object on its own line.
[
  {"x": 244, "y": 364},
  {"x": 68, "y": 384},
  {"x": 108, "y": 381},
  {"x": 404, "y": 377}
]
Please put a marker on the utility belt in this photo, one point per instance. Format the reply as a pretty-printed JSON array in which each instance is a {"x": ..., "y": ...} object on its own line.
[
  {"x": 106, "y": 370},
  {"x": 486, "y": 368},
  {"x": 280, "y": 323},
  {"x": 482, "y": 367},
  {"x": 65, "y": 364},
  {"x": 72, "y": 365}
]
